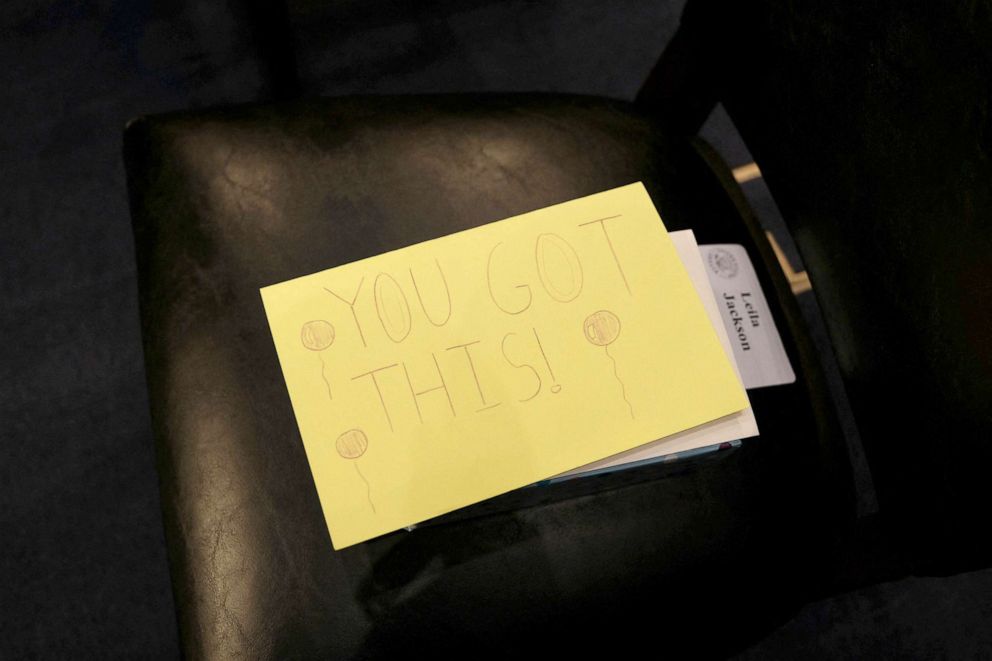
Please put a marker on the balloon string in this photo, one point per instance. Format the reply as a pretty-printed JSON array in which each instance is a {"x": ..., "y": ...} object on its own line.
[
  {"x": 623, "y": 390},
  {"x": 367, "y": 486},
  {"x": 324, "y": 377}
]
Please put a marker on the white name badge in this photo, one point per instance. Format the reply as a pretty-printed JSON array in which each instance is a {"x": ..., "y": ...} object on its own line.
[{"x": 756, "y": 343}]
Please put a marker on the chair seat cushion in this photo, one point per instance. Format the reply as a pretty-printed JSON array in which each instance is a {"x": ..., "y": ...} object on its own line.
[{"x": 229, "y": 200}]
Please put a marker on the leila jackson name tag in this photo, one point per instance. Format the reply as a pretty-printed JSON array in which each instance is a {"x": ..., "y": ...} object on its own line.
[{"x": 757, "y": 345}]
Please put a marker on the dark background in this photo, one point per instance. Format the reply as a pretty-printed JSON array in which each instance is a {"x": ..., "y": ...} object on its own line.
[{"x": 83, "y": 567}]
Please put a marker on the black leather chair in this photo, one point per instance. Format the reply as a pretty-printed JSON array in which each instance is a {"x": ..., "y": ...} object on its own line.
[{"x": 702, "y": 555}]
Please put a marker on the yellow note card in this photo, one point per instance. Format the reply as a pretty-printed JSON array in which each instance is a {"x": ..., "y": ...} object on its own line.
[{"x": 450, "y": 371}]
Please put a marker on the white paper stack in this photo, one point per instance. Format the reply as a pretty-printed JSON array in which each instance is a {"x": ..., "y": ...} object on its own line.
[{"x": 730, "y": 428}]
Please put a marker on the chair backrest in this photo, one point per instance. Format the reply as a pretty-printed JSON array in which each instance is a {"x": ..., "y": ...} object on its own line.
[{"x": 872, "y": 128}]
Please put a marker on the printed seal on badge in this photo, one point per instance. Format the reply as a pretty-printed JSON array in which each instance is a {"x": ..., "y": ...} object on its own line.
[{"x": 722, "y": 263}]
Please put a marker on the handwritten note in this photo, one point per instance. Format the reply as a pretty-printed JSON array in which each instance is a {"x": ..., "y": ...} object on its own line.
[{"x": 451, "y": 371}]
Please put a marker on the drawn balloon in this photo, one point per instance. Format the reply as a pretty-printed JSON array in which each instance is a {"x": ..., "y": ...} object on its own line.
[
  {"x": 602, "y": 328},
  {"x": 316, "y": 336},
  {"x": 351, "y": 445}
]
